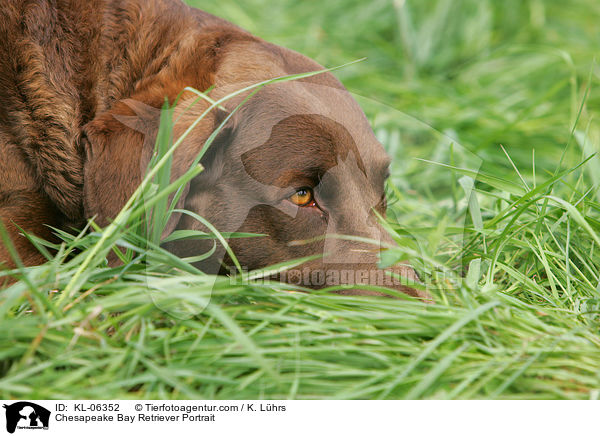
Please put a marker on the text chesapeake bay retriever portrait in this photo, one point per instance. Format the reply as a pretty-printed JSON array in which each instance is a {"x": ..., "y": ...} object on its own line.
[{"x": 81, "y": 88}]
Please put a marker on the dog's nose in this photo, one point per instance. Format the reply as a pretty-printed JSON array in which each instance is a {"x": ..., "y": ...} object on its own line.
[
  {"x": 357, "y": 279},
  {"x": 355, "y": 262},
  {"x": 399, "y": 277}
]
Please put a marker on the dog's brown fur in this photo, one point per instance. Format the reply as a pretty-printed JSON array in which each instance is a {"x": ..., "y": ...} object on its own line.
[{"x": 78, "y": 81}]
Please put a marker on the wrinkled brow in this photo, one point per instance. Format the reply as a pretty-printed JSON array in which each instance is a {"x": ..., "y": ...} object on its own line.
[{"x": 301, "y": 147}]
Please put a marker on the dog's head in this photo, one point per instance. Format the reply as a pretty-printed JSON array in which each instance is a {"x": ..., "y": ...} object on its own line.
[{"x": 297, "y": 163}]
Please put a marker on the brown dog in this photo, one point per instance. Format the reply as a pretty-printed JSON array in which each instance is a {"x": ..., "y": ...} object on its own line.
[{"x": 79, "y": 82}]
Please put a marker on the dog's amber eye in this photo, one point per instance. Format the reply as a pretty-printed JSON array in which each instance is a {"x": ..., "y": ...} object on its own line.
[{"x": 303, "y": 197}]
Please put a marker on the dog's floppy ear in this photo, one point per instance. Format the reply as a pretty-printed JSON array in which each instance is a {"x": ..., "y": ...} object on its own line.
[{"x": 119, "y": 145}]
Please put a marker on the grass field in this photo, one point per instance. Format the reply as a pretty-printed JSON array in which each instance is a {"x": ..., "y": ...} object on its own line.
[{"x": 490, "y": 110}]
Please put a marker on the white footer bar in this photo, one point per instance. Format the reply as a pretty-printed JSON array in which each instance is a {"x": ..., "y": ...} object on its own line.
[{"x": 309, "y": 418}]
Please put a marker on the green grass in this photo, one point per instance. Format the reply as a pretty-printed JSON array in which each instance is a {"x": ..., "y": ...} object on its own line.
[{"x": 506, "y": 237}]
